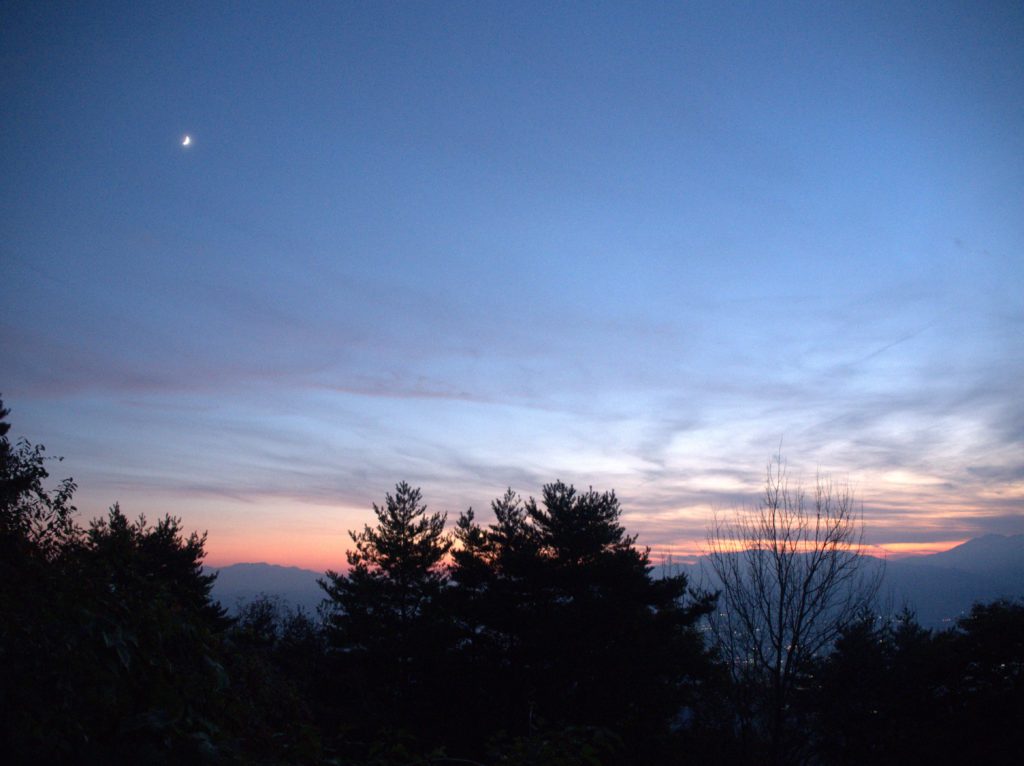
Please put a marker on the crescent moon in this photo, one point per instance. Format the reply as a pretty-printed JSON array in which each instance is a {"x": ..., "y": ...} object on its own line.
[{"x": 187, "y": 140}]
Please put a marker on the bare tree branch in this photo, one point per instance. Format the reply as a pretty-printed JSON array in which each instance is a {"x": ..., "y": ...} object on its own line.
[{"x": 792, "y": 576}]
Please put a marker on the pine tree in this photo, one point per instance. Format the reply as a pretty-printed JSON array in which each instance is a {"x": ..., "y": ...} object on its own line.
[
  {"x": 384, "y": 617},
  {"x": 569, "y": 628}
]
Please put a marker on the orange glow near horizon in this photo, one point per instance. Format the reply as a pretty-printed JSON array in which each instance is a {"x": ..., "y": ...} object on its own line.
[
  {"x": 294, "y": 553},
  {"x": 304, "y": 535},
  {"x": 318, "y": 548},
  {"x": 688, "y": 551},
  {"x": 322, "y": 554},
  {"x": 909, "y": 550}
]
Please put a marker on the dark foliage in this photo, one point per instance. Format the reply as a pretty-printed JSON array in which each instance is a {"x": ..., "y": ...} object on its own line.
[
  {"x": 385, "y": 626},
  {"x": 276, "y": 663},
  {"x": 895, "y": 693},
  {"x": 562, "y": 623},
  {"x": 111, "y": 649}
]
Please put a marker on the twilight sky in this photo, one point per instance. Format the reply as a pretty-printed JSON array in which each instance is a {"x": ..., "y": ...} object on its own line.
[{"x": 478, "y": 245}]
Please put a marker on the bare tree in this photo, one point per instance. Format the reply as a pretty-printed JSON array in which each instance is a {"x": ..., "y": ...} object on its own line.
[{"x": 792, "y": 575}]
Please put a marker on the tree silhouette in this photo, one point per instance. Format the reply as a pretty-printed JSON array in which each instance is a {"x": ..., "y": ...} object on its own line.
[
  {"x": 136, "y": 560},
  {"x": 383, "y": 616},
  {"x": 893, "y": 693},
  {"x": 792, "y": 578},
  {"x": 869, "y": 699},
  {"x": 157, "y": 679},
  {"x": 34, "y": 521},
  {"x": 394, "y": 571},
  {"x": 275, "y": 658},
  {"x": 568, "y": 627},
  {"x": 983, "y": 683},
  {"x": 40, "y": 606},
  {"x": 110, "y": 645}
]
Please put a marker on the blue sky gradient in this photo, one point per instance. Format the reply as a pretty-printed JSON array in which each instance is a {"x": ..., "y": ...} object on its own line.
[{"x": 472, "y": 245}]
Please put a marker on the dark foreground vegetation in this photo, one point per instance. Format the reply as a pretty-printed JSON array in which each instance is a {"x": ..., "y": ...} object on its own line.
[{"x": 543, "y": 638}]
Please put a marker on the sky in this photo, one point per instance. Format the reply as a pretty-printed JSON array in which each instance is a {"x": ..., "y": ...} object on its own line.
[{"x": 635, "y": 246}]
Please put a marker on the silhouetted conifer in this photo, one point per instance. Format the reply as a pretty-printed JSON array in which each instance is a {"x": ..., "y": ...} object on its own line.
[
  {"x": 384, "y": 619},
  {"x": 569, "y": 627}
]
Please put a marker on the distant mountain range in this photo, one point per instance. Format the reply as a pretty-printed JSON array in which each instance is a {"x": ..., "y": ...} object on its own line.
[
  {"x": 240, "y": 583},
  {"x": 942, "y": 586},
  {"x": 938, "y": 587},
  {"x": 990, "y": 554}
]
